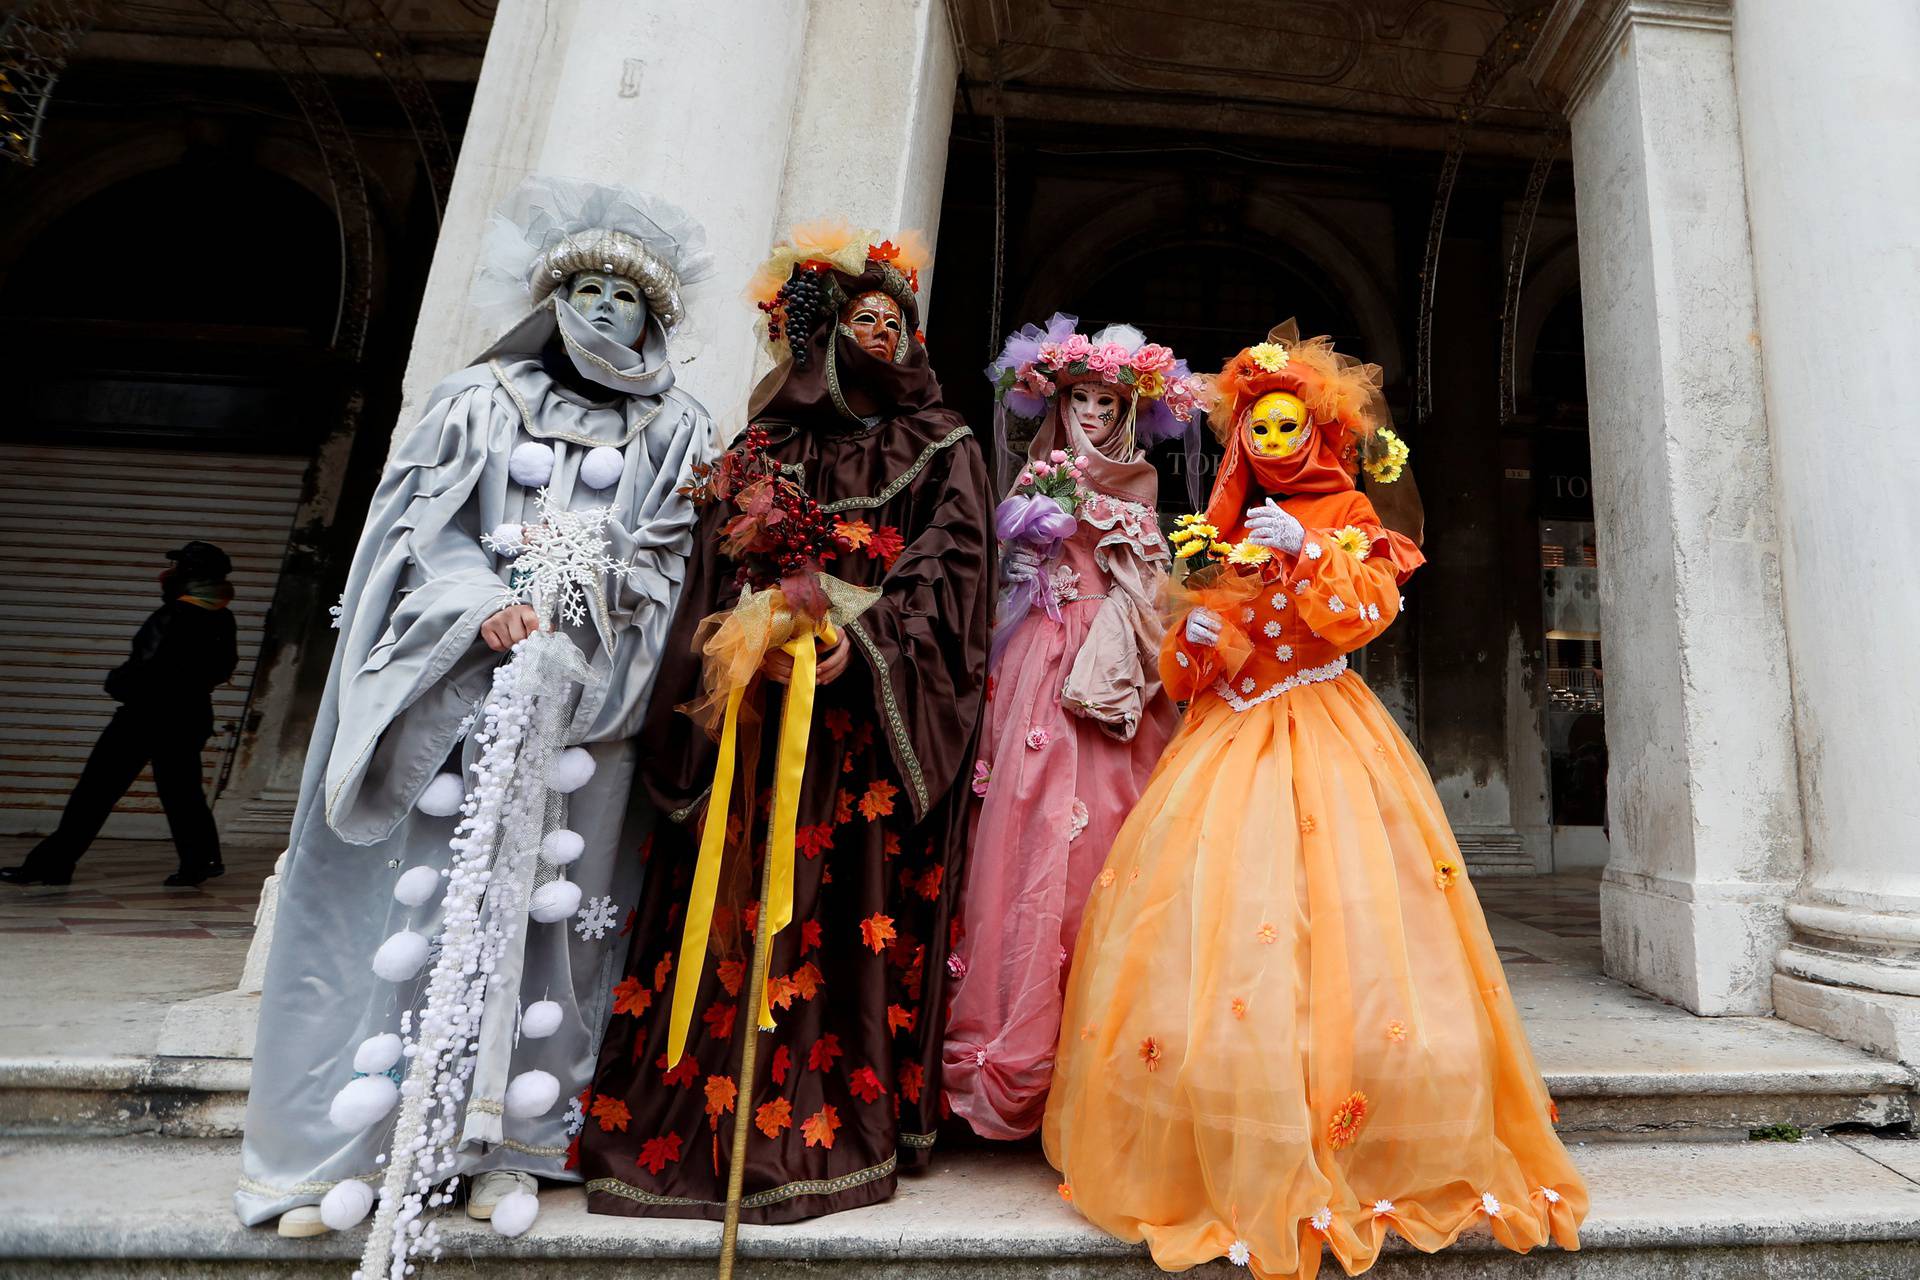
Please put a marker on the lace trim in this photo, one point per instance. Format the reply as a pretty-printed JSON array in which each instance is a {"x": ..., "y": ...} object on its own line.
[
  {"x": 774, "y": 1195},
  {"x": 266, "y": 1191},
  {"x": 525, "y": 1150},
  {"x": 921, "y": 1140},
  {"x": 487, "y": 1106},
  {"x": 896, "y": 723},
  {"x": 901, "y": 481},
  {"x": 1312, "y": 675},
  {"x": 1137, "y": 525}
]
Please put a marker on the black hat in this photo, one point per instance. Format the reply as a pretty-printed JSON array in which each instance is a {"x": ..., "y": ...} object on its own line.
[{"x": 201, "y": 560}]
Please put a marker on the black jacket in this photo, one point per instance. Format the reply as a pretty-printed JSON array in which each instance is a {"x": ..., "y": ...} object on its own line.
[{"x": 180, "y": 655}]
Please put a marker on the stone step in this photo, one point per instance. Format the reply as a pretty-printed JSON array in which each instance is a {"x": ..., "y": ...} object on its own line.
[
  {"x": 158, "y": 1207},
  {"x": 121, "y": 1096}
]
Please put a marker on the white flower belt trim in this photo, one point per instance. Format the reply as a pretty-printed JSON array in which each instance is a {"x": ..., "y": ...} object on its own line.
[{"x": 1312, "y": 675}]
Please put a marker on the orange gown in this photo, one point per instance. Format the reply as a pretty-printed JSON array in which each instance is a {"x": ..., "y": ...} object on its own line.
[{"x": 1286, "y": 1029}]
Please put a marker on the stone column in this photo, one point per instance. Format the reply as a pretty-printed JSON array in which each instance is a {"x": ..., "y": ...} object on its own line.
[
  {"x": 1833, "y": 193},
  {"x": 750, "y": 115},
  {"x": 1703, "y": 793}
]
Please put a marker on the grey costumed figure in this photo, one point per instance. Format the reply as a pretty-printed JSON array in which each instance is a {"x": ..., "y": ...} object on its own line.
[{"x": 569, "y": 425}]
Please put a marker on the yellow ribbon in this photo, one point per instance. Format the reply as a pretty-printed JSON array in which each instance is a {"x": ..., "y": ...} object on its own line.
[{"x": 790, "y": 765}]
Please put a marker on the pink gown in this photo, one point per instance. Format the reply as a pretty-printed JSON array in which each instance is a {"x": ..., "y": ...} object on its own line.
[{"x": 1076, "y": 718}]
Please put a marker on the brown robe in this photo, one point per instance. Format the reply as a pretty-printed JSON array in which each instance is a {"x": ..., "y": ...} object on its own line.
[{"x": 846, "y": 1089}]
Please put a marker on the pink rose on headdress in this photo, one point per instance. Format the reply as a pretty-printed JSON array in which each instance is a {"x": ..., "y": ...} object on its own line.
[
  {"x": 1052, "y": 355},
  {"x": 1152, "y": 357},
  {"x": 1107, "y": 360},
  {"x": 1034, "y": 382},
  {"x": 1076, "y": 347}
]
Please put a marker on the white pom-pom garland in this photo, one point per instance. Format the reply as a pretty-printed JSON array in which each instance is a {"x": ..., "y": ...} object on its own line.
[
  {"x": 415, "y": 886},
  {"x": 555, "y": 900},
  {"x": 541, "y": 1019},
  {"x": 562, "y": 847},
  {"x": 400, "y": 957},
  {"x": 442, "y": 797},
  {"x": 515, "y": 1213},
  {"x": 362, "y": 1103},
  {"x": 601, "y": 467},
  {"x": 377, "y": 1053},
  {"x": 530, "y": 1094},
  {"x": 509, "y": 539},
  {"x": 345, "y": 1205},
  {"x": 570, "y": 770},
  {"x": 531, "y": 464}
]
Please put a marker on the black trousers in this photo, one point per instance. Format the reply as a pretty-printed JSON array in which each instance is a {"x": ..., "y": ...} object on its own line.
[{"x": 132, "y": 740}]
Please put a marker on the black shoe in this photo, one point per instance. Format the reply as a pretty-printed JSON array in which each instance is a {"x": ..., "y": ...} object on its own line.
[
  {"x": 188, "y": 877},
  {"x": 26, "y": 873}
]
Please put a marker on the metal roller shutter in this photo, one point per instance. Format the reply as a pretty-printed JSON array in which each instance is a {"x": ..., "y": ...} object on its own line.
[{"x": 83, "y": 536}]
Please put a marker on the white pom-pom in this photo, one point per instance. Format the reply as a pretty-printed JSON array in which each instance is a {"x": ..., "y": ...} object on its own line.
[
  {"x": 442, "y": 797},
  {"x": 561, "y": 847},
  {"x": 601, "y": 467},
  {"x": 541, "y": 1019},
  {"x": 377, "y": 1053},
  {"x": 530, "y": 1094},
  {"x": 515, "y": 1213},
  {"x": 362, "y": 1103},
  {"x": 570, "y": 770},
  {"x": 415, "y": 886},
  {"x": 345, "y": 1205},
  {"x": 531, "y": 464},
  {"x": 555, "y": 900},
  {"x": 509, "y": 539},
  {"x": 401, "y": 956}
]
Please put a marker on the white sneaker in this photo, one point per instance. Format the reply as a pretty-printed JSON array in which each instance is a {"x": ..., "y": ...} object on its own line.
[
  {"x": 489, "y": 1189},
  {"x": 303, "y": 1221}
]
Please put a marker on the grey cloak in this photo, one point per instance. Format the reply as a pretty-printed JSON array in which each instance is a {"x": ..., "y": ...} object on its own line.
[{"x": 408, "y": 674}]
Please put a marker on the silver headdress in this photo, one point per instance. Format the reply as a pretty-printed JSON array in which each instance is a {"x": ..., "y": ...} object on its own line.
[{"x": 551, "y": 228}]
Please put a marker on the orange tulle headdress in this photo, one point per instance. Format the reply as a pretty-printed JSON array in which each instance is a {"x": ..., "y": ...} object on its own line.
[{"x": 815, "y": 249}]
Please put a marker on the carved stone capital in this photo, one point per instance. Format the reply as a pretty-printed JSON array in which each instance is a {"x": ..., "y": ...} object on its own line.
[{"x": 1581, "y": 34}]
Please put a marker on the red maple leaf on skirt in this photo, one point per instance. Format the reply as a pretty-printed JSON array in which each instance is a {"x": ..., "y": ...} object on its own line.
[
  {"x": 913, "y": 1078},
  {"x": 684, "y": 1075},
  {"x": 877, "y": 931},
  {"x": 807, "y": 980},
  {"x": 838, "y": 722},
  {"x": 719, "y": 1019},
  {"x": 782, "y": 1063},
  {"x": 899, "y": 1019},
  {"x": 842, "y": 807},
  {"x": 631, "y": 997},
  {"x": 730, "y": 973},
  {"x": 573, "y": 1153},
  {"x": 721, "y": 1092},
  {"x": 611, "y": 1113},
  {"x": 886, "y": 546},
  {"x": 928, "y": 885},
  {"x": 780, "y": 992},
  {"x": 814, "y": 840},
  {"x": 878, "y": 802},
  {"x": 824, "y": 1051},
  {"x": 809, "y": 935},
  {"x": 865, "y": 1085},
  {"x": 890, "y": 845},
  {"x": 661, "y": 970},
  {"x": 657, "y": 1153},
  {"x": 774, "y": 1116},
  {"x": 819, "y": 1127}
]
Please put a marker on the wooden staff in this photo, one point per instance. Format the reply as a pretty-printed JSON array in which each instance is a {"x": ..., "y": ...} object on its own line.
[{"x": 749, "y": 1016}]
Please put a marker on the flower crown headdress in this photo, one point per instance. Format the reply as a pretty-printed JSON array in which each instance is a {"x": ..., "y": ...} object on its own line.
[
  {"x": 1336, "y": 389},
  {"x": 797, "y": 284},
  {"x": 1039, "y": 363}
]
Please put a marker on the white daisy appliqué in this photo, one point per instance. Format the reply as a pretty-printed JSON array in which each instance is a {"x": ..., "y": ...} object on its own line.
[
  {"x": 1239, "y": 1254},
  {"x": 1182, "y": 659},
  {"x": 1550, "y": 1195},
  {"x": 1311, "y": 551},
  {"x": 1278, "y": 600},
  {"x": 1301, "y": 586},
  {"x": 1336, "y": 605},
  {"x": 1246, "y": 685},
  {"x": 1283, "y": 652},
  {"x": 595, "y": 919},
  {"x": 1381, "y": 1208},
  {"x": 1246, "y": 615},
  {"x": 1322, "y": 1218},
  {"x": 1272, "y": 629},
  {"x": 1489, "y": 1205}
]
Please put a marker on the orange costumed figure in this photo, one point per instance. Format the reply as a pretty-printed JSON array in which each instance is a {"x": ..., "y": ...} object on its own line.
[{"x": 1286, "y": 1029}]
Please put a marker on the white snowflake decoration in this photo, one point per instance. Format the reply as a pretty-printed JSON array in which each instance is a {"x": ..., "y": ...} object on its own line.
[
  {"x": 595, "y": 919},
  {"x": 564, "y": 564},
  {"x": 337, "y": 610},
  {"x": 576, "y": 1117}
]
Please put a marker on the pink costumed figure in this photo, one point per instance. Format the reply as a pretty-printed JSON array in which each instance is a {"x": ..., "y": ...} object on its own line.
[{"x": 1076, "y": 716}]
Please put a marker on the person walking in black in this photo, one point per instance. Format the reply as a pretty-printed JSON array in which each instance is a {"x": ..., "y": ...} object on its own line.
[{"x": 165, "y": 691}]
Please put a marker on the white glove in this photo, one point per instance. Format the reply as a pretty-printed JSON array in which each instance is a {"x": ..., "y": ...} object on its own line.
[
  {"x": 1203, "y": 626},
  {"x": 1020, "y": 564},
  {"x": 1272, "y": 526}
]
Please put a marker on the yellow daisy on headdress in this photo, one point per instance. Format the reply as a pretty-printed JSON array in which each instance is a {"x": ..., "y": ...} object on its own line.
[{"x": 1270, "y": 356}]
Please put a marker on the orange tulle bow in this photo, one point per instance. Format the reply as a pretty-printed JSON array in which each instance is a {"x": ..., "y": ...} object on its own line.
[{"x": 1225, "y": 589}]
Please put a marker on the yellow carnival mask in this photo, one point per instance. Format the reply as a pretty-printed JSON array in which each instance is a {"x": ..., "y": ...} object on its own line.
[{"x": 1278, "y": 426}]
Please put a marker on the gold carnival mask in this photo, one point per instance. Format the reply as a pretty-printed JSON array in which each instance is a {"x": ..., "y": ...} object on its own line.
[
  {"x": 1277, "y": 427},
  {"x": 873, "y": 321}
]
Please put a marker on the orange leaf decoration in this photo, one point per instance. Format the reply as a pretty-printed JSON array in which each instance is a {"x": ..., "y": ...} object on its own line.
[
  {"x": 782, "y": 1063},
  {"x": 899, "y": 1019},
  {"x": 684, "y": 1075},
  {"x": 913, "y": 1078},
  {"x": 853, "y": 534},
  {"x": 838, "y": 722},
  {"x": 657, "y": 1153},
  {"x": 719, "y": 1019},
  {"x": 814, "y": 840},
  {"x": 890, "y": 846},
  {"x": 865, "y": 1085},
  {"x": 928, "y": 885},
  {"x": 824, "y": 1051},
  {"x": 818, "y": 1130},
  {"x": 721, "y": 1092},
  {"x": 878, "y": 802},
  {"x": 631, "y": 997},
  {"x": 611, "y": 1113},
  {"x": 1346, "y": 1122},
  {"x": 887, "y": 545},
  {"x": 661, "y": 970},
  {"x": 807, "y": 980},
  {"x": 731, "y": 973},
  {"x": 843, "y": 808},
  {"x": 774, "y": 1116},
  {"x": 809, "y": 936},
  {"x": 877, "y": 931},
  {"x": 781, "y": 991}
]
